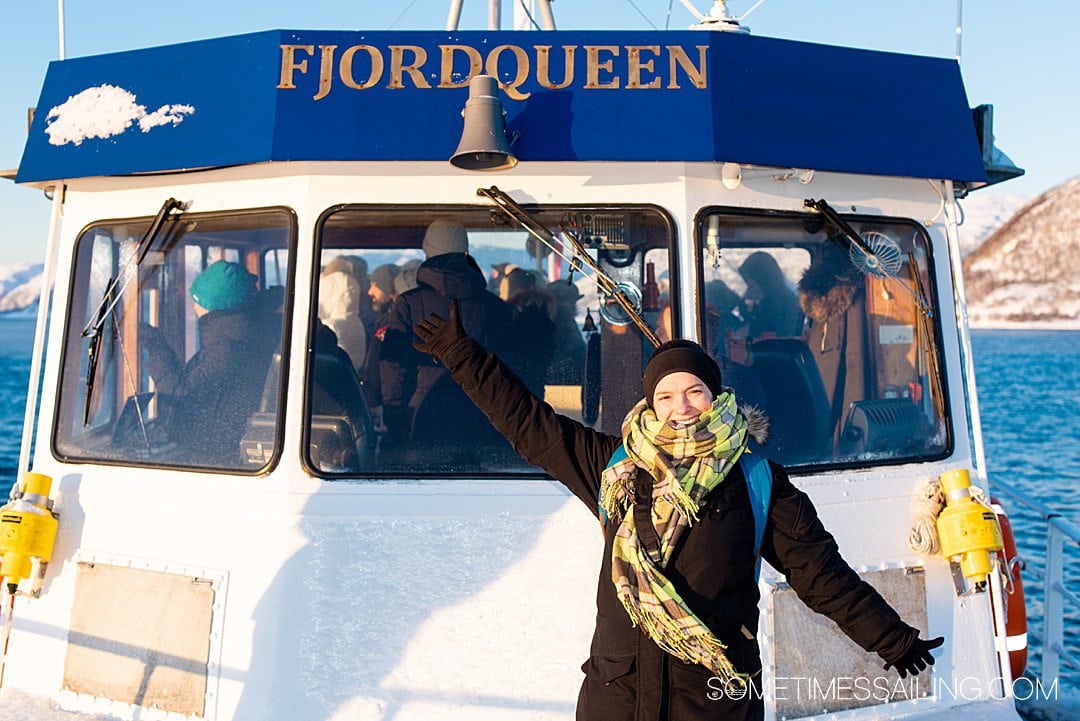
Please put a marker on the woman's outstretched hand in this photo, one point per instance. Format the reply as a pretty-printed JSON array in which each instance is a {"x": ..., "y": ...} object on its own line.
[
  {"x": 917, "y": 657},
  {"x": 438, "y": 335}
]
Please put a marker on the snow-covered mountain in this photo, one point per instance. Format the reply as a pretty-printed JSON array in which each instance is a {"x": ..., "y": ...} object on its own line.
[
  {"x": 20, "y": 286},
  {"x": 1023, "y": 272},
  {"x": 982, "y": 214}
]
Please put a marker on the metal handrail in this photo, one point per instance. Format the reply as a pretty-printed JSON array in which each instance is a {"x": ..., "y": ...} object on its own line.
[{"x": 1059, "y": 530}]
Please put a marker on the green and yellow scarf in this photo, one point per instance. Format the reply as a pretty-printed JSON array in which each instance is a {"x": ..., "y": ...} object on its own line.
[{"x": 686, "y": 464}]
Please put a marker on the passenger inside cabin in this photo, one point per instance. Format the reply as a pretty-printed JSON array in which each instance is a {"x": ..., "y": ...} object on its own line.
[
  {"x": 406, "y": 279},
  {"x": 569, "y": 345},
  {"x": 832, "y": 294},
  {"x": 770, "y": 306},
  {"x": 534, "y": 327},
  {"x": 339, "y": 309},
  {"x": 357, "y": 268},
  {"x": 214, "y": 393},
  {"x": 417, "y": 394},
  {"x": 382, "y": 293},
  {"x": 498, "y": 272},
  {"x": 723, "y": 322},
  {"x": 725, "y": 333}
]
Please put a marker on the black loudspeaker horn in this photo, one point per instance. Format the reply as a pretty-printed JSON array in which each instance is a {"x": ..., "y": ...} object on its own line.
[{"x": 483, "y": 143}]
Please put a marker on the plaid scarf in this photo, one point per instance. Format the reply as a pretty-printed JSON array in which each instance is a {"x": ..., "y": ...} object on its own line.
[{"x": 686, "y": 464}]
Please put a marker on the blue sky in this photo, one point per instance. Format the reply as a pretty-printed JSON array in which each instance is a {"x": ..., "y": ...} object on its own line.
[{"x": 1022, "y": 57}]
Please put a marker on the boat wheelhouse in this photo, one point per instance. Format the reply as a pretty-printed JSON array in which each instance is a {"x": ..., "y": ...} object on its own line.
[{"x": 289, "y": 545}]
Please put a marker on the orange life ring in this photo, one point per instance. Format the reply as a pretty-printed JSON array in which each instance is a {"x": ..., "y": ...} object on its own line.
[{"x": 1016, "y": 640}]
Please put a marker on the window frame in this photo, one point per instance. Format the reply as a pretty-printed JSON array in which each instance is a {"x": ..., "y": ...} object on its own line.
[
  {"x": 292, "y": 227},
  {"x": 932, "y": 296},
  {"x": 665, "y": 217}
]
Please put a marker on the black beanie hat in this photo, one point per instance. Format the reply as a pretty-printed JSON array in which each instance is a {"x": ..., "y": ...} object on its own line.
[{"x": 680, "y": 355}]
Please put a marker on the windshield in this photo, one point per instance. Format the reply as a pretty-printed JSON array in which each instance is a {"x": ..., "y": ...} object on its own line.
[
  {"x": 376, "y": 406},
  {"x": 839, "y": 356},
  {"x": 184, "y": 370}
]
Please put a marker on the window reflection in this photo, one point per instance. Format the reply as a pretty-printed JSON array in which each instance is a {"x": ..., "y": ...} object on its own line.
[
  {"x": 190, "y": 354},
  {"x": 398, "y": 412},
  {"x": 842, "y": 361}
]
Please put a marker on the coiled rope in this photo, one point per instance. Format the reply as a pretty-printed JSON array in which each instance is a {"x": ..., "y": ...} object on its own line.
[{"x": 923, "y": 538}]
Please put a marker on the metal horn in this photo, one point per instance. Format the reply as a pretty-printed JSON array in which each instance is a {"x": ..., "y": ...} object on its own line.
[{"x": 483, "y": 143}]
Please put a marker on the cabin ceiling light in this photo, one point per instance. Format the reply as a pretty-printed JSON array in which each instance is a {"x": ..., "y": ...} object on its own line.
[
  {"x": 732, "y": 174},
  {"x": 483, "y": 145}
]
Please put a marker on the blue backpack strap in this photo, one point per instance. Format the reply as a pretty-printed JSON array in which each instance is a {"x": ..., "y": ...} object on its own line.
[
  {"x": 758, "y": 476},
  {"x": 618, "y": 456}
]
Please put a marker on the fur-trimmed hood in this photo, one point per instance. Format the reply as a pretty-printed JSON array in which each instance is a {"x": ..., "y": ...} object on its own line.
[
  {"x": 757, "y": 423},
  {"x": 829, "y": 286}
]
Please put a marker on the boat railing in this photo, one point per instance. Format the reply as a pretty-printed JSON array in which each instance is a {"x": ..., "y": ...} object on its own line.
[{"x": 1061, "y": 534}]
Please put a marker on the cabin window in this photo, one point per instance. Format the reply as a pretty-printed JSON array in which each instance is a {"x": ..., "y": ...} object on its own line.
[
  {"x": 841, "y": 353},
  {"x": 187, "y": 353},
  {"x": 377, "y": 407}
]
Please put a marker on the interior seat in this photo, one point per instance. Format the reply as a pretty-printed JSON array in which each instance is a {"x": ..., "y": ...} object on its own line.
[{"x": 798, "y": 408}]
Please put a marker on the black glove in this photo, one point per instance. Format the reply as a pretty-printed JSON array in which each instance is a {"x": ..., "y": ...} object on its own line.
[
  {"x": 438, "y": 335},
  {"x": 917, "y": 657}
]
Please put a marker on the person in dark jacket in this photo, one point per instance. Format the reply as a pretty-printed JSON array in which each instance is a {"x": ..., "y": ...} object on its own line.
[
  {"x": 215, "y": 392},
  {"x": 677, "y": 594},
  {"x": 415, "y": 402},
  {"x": 769, "y": 306},
  {"x": 382, "y": 294}
]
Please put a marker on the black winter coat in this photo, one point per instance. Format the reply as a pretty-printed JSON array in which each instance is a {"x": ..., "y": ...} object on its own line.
[
  {"x": 414, "y": 401},
  {"x": 215, "y": 393},
  {"x": 627, "y": 676}
]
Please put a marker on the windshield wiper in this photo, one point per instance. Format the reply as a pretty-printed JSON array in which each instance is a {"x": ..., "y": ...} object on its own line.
[
  {"x": 93, "y": 353},
  {"x": 114, "y": 291},
  {"x": 874, "y": 264},
  {"x": 608, "y": 287}
]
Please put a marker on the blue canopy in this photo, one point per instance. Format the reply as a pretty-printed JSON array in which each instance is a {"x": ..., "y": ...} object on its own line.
[{"x": 596, "y": 96}]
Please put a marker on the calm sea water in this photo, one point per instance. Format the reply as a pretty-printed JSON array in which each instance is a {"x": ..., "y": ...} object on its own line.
[
  {"x": 1029, "y": 396},
  {"x": 16, "y": 345},
  {"x": 1029, "y": 391}
]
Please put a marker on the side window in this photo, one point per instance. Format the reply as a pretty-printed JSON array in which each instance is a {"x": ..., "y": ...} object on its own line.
[
  {"x": 840, "y": 353},
  {"x": 377, "y": 406},
  {"x": 175, "y": 360}
]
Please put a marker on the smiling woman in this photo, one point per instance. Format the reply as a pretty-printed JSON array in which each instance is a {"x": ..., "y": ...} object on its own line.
[
  {"x": 681, "y": 382},
  {"x": 680, "y": 398},
  {"x": 677, "y": 597}
]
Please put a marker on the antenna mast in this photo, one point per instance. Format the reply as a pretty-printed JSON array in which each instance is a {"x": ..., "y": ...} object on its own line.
[
  {"x": 959, "y": 27},
  {"x": 60, "y": 22},
  {"x": 525, "y": 12}
]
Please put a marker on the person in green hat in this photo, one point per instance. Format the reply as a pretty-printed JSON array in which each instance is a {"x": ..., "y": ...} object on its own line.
[{"x": 215, "y": 391}]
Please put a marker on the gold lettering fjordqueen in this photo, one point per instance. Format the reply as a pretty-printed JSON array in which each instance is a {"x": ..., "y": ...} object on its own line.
[{"x": 606, "y": 67}]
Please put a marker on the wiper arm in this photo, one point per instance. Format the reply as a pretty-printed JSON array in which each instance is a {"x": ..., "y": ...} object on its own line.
[
  {"x": 112, "y": 296},
  {"x": 927, "y": 343},
  {"x": 608, "y": 287},
  {"x": 93, "y": 353},
  {"x": 114, "y": 290},
  {"x": 855, "y": 242}
]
